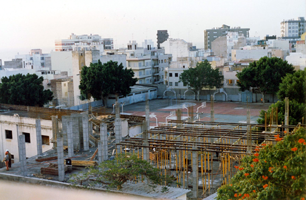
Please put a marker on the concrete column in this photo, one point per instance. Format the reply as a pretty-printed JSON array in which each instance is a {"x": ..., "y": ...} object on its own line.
[
  {"x": 60, "y": 159},
  {"x": 38, "y": 137},
  {"x": 22, "y": 154},
  {"x": 54, "y": 130},
  {"x": 195, "y": 174},
  {"x": 76, "y": 132},
  {"x": 145, "y": 142},
  {"x": 179, "y": 117},
  {"x": 103, "y": 141},
  {"x": 85, "y": 131},
  {"x": 249, "y": 133},
  {"x": 70, "y": 137},
  {"x": 100, "y": 151},
  {"x": 212, "y": 113},
  {"x": 287, "y": 113},
  {"x": 118, "y": 131},
  {"x": 147, "y": 115}
]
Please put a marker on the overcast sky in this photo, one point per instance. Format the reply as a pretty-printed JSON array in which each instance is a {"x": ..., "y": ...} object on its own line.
[{"x": 38, "y": 23}]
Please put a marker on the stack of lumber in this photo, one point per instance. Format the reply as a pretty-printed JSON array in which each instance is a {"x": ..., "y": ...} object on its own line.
[
  {"x": 46, "y": 159},
  {"x": 83, "y": 163}
]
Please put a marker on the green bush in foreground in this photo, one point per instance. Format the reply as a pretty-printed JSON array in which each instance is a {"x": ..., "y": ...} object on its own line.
[{"x": 274, "y": 172}]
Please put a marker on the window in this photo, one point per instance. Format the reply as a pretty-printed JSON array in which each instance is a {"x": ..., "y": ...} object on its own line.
[
  {"x": 161, "y": 61},
  {"x": 165, "y": 60},
  {"x": 42, "y": 58},
  {"x": 42, "y": 64},
  {"x": 8, "y": 134},
  {"x": 27, "y": 137},
  {"x": 176, "y": 74},
  {"x": 45, "y": 140},
  {"x": 170, "y": 74},
  {"x": 170, "y": 83},
  {"x": 31, "y": 58},
  {"x": 176, "y": 83},
  {"x": 183, "y": 66}
]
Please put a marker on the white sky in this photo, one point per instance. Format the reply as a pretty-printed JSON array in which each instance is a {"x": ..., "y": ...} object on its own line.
[{"x": 38, "y": 23}]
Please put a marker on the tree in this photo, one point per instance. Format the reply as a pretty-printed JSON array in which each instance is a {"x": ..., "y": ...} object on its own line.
[
  {"x": 296, "y": 112},
  {"x": 201, "y": 76},
  {"x": 293, "y": 86},
  {"x": 264, "y": 74},
  {"x": 125, "y": 167},
  {"x": 275, "y": 172},
  {"x": 99, "y": 80},
  {"x": 24, "y": 90}
]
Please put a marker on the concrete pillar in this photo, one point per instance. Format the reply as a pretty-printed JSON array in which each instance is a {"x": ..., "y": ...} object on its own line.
[
  {"x": 100, "y": 151},
  {"x": 70, "y": 137},
  {"x": 54, "y": 130},
  {"x": 118, "y": 131},
  {"x": 38, "y": 137},
  {"x": 103, "y": 141},
  {"x": 147, "y": 115},
  {"x": 76, "y": 132},
  {"x": 212, "y": 113},
  {"x": 287, "y": 113},
  {"x": 22, "y": 154},
  {"x": 85, "y": 132},
  {"x": 145, "y": 142},
  {"x": 60, "y": 159},
  {"x": 195, "y": 174},
  {"x": 179, "y": 117},
  {"x": 249, "y": 132}
]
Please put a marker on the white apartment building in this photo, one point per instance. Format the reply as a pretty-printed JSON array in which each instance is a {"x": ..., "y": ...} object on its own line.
[
  {"x": 78, "y": 42},
  {"x": 34, "y": 60},
  {"x": 249, "y": 53},
  {"x": 147, "y": 62},
  {"x": 292, "y": 29}
]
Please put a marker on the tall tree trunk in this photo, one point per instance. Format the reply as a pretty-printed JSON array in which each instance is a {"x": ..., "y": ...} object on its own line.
[
  {"x": 198, "y": 95},
  {"x": 263, "y": 97}
]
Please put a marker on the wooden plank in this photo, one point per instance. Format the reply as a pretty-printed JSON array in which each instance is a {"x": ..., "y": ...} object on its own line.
[
  {"x": 94, "y": 155},
  {"x": 46, "y": 159},
  {"x": 83, "y": 163}
]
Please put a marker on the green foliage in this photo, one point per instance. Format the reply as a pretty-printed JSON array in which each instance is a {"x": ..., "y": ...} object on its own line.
[
  {"x": 264, "y": 74},
  {"x": 99, "y": 80},
  {"x": 293, "y": 86},
  {"x": 125, "y": 167},
  {"x": 24, "y": 90},
  {"x": 203, "y": 75},
  {"x": 278, "y": 174},
  {"x": 296, "y": 112}
]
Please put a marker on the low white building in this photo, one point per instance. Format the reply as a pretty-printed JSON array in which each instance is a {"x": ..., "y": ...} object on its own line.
[
  {"x": 248, "y": 52},
  {"x": 27, "y": 127},
  {"x": 298, "y": 60},
  {"x": 34, "y": 60}
]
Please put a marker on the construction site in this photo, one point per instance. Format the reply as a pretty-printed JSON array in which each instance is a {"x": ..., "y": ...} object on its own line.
[{"x": 200, "y": 154}]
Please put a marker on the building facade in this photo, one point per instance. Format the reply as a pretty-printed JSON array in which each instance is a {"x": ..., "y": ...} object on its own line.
[
  {"x": 212, "y": 34},
  {"x": 78, "y": 42},
  {"x": 292, "y": 29}
]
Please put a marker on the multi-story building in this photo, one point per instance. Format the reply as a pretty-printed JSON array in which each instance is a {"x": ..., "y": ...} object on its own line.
[
  {"x": 292, "y": 29},
  {"x": 78, "y": 42},
  {"x": 147, "y": 62},
  {"x": 223, "y": 45},
  {"x": 212, "y": 34},
  {"x": 34, "y": 60}
]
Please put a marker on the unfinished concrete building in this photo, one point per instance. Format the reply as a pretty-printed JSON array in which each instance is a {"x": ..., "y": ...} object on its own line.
[{"x": 201, "y": 155}]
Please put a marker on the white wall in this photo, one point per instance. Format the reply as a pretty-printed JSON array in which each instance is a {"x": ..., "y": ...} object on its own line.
[
  {"x": 297, "y": 59},
  {"x": 280, "y": 44},
  {"x": 254, "y": 54},
  {"x": 176, "y": 47},
  {"x": 62, "y": 61},
  {"x": 25, "y": 125}
]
